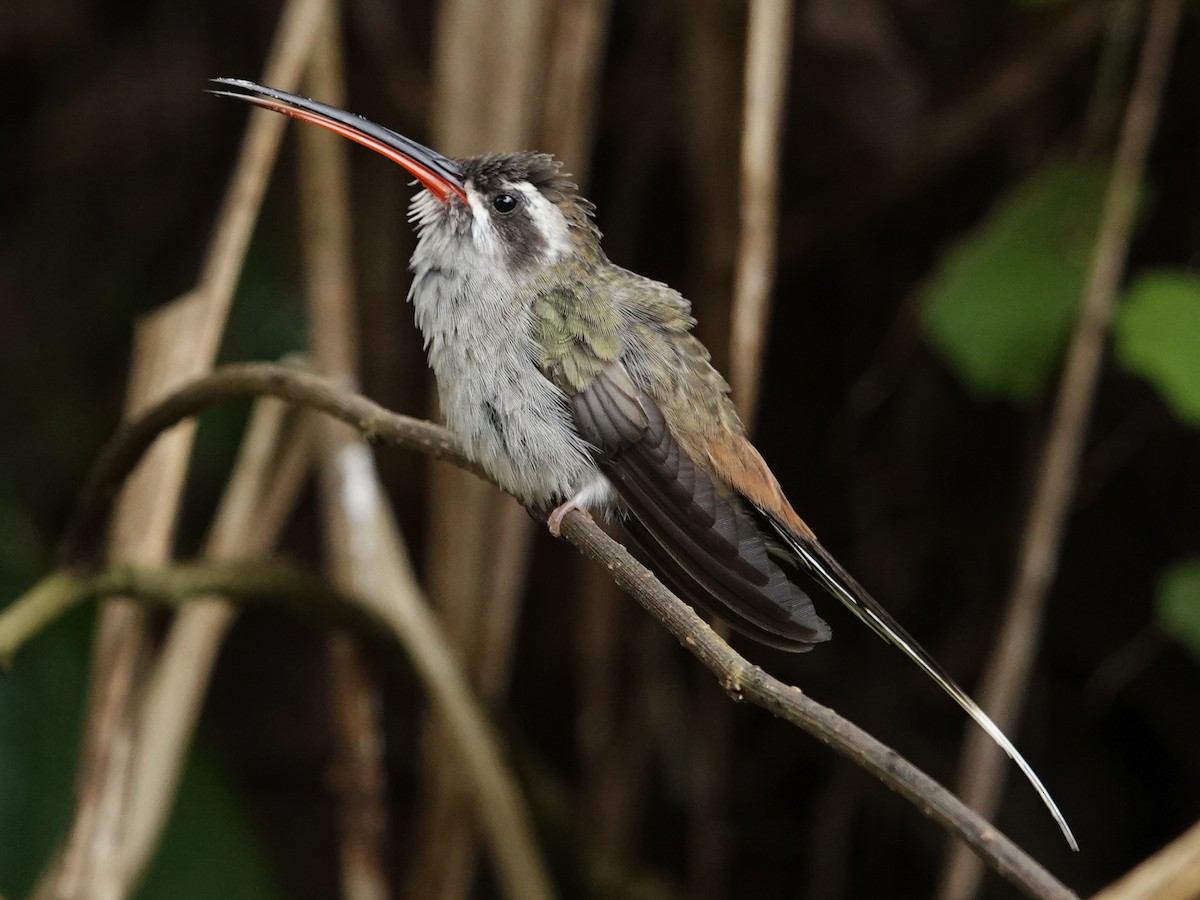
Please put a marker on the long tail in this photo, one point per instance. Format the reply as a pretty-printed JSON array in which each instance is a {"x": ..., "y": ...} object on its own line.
[{"x": 826, "y": 570}]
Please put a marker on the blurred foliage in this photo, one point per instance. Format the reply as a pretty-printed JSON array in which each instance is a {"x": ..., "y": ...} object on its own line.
[
  {"x": 210, "y": 847},
  {"x": 41, "y": 706},
  {"x": 1179, "y": 604},
  {"x": 1158, "y": 337},
  {"x": 1002, "y": 300}
]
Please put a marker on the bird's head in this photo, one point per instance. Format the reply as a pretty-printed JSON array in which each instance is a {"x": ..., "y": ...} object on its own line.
[{"x": 513, "y": 212}]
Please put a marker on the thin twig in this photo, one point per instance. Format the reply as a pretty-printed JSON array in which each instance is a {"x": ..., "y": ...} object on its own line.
[
  {"x": 1006, "y": 678},
  {"x": 172, "y": 586},
  {"x": 764, "y": 98},
  {"x": 350, "y": 490},
  {"x": 737, "y": 676},
  {"x": 85, "y": 533},
  {"x": 90, "y": 863},
  {"x": 768, "y": 42},
  {"x": 254, "y": 508},
  {"x": 744, "y": 681}
]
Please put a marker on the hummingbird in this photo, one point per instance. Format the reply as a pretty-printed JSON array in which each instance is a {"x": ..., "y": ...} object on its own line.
[{"x": 577, "y": 384}]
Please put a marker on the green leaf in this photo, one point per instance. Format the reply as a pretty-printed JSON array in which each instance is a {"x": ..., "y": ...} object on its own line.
[
  {"x": 1002, "y": 302},
  {"x": 1158, "y": 337},
  {"x": 1179, "y": 604}
]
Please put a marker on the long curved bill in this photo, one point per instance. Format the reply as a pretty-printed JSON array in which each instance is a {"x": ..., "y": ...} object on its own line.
[{"x": 440, "y": 175}]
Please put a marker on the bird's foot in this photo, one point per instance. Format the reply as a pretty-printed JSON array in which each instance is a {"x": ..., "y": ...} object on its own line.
[{"x": 555, "y": 520}]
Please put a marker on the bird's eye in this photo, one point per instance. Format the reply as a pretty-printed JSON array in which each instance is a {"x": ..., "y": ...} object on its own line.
[{"x": 504, "y": 203}]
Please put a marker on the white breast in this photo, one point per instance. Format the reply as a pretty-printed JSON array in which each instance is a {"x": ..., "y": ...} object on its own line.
[{"x": 511, "y": 420}]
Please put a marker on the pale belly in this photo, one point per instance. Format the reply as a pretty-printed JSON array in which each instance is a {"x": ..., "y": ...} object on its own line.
[{"x": 516, "y": 424}]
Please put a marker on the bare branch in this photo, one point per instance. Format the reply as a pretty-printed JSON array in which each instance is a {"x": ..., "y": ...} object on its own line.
[
  {"x": 176, "y": 344},
  {"x": 351, "y": 496},
  {"x": 768, "y": 42},
  {"x": 740, "y": 679},
  {"x": 501, "y": 808},
  {"x": 259, "y": 497},
  {"x": 82, "y": 542},
  {"x": 172, "y": 585}
]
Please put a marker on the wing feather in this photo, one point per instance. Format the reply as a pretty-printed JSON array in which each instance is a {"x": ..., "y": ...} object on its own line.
[{"x": 714, "y": 546}]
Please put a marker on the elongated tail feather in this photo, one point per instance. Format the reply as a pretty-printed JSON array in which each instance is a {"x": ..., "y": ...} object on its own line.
[{"x": 826, "y": 570}]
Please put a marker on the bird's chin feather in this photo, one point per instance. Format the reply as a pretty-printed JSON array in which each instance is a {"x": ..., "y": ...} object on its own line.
[{"x": 427, "y": 211}]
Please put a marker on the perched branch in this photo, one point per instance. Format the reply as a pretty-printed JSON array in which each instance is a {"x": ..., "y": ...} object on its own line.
[
  {"x": 744, "y": 681},
  {"x": 82, "y": 543},
  {"x": 740, "y": 679}
]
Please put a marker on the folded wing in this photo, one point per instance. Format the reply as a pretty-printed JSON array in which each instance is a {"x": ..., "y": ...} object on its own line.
[{"x": 701, "y": 534}]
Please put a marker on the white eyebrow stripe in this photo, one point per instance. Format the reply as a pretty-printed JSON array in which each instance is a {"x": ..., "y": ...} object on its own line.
[{"x": 547, "y": 218}]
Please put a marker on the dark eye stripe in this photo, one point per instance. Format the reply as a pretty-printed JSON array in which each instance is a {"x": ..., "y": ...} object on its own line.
[{"x": 523, "y": 242}]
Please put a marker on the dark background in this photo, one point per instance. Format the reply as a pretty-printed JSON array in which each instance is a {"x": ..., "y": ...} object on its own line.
[{"x": 112, "y": 162}]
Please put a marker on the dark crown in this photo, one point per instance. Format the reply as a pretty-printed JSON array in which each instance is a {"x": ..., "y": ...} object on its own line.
[{"x": 541, "y": 170}]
